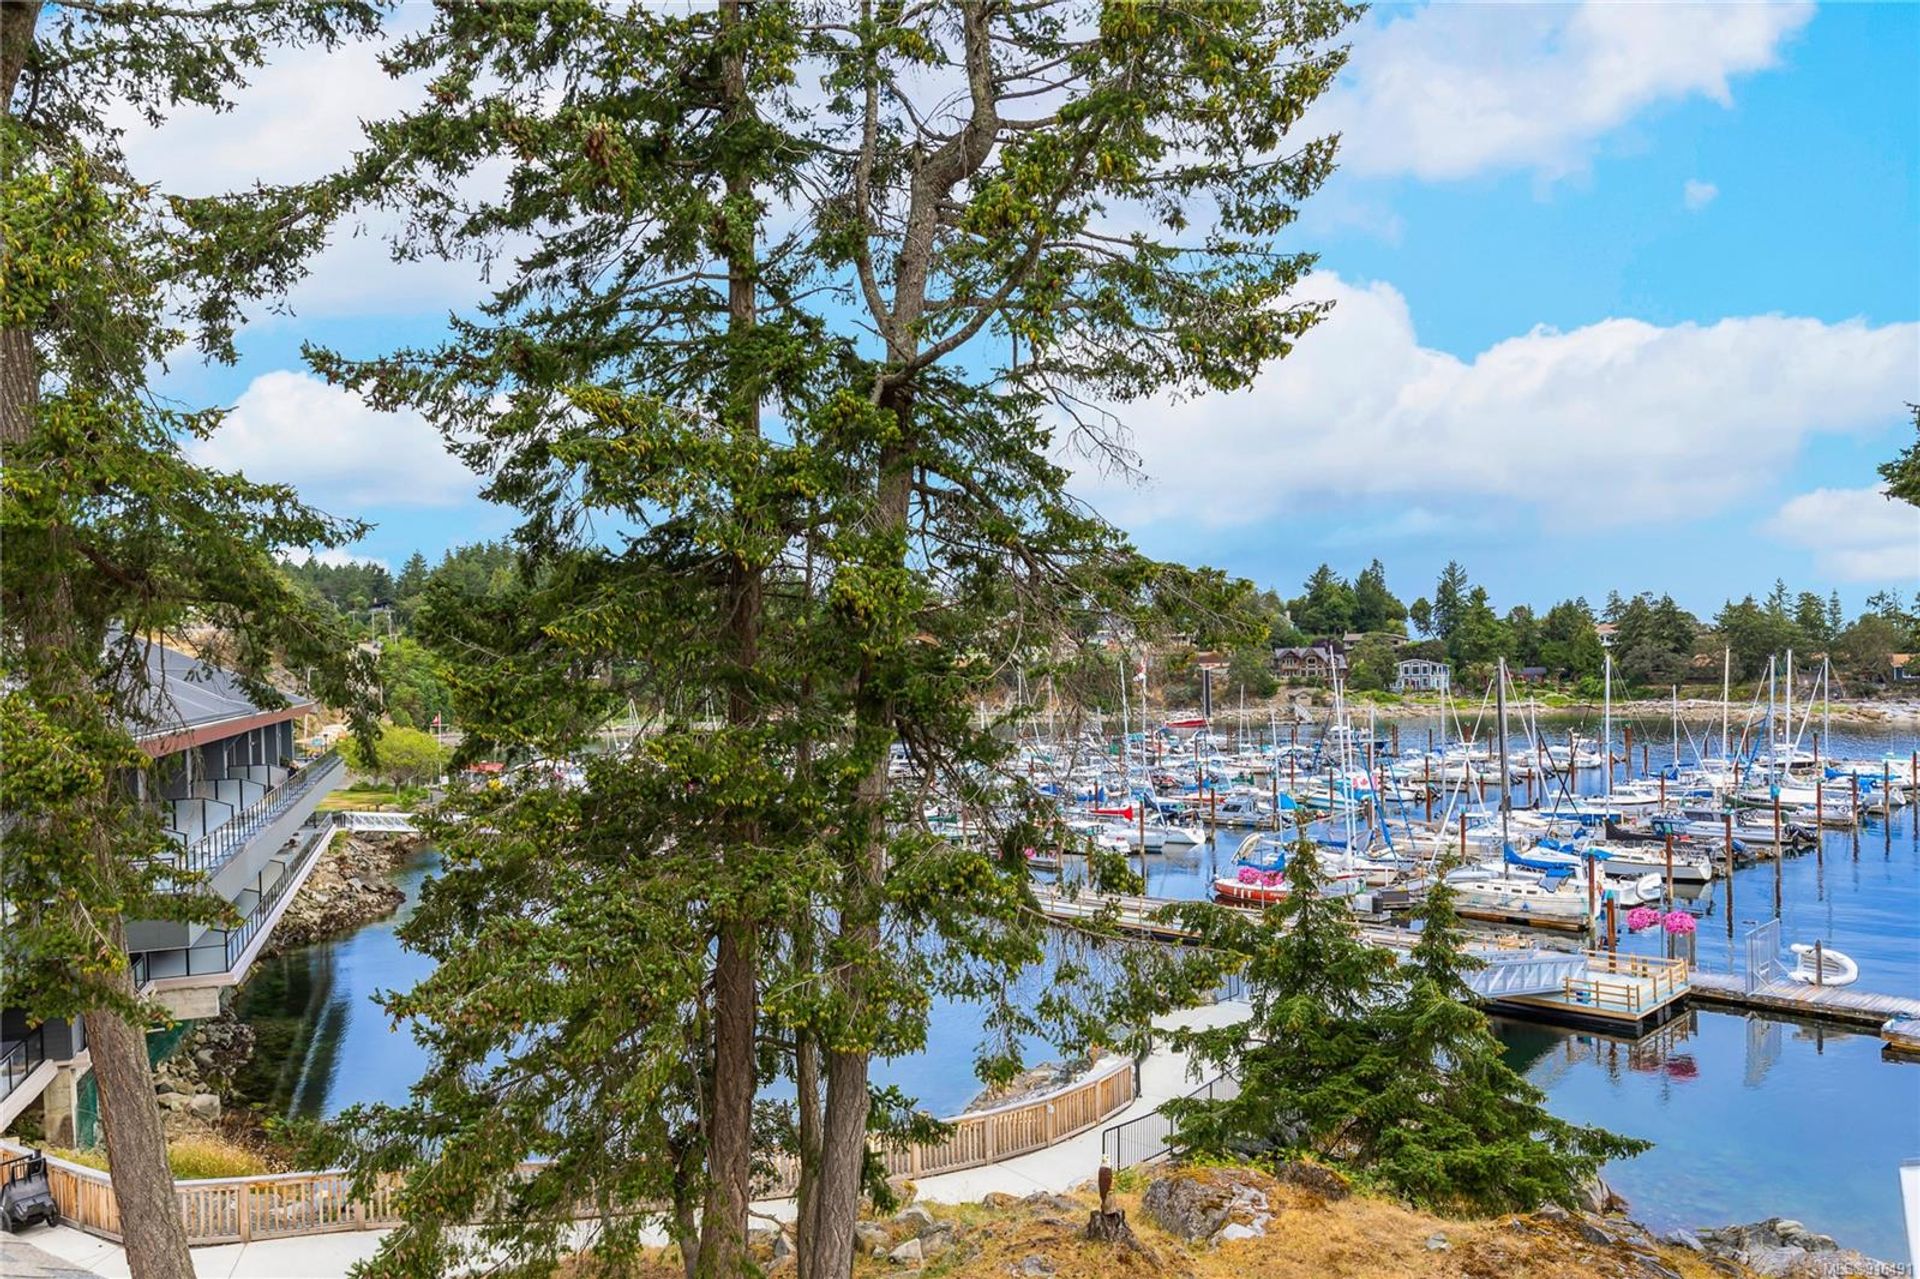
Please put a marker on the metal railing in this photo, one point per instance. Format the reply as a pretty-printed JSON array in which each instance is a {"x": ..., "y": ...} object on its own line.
[
  {"x": 212, "y": 850},
  {"x": 21, "y": 1060},
  {"x": 1151, "y": 1135},
  {"x": 219, "y": 949}
]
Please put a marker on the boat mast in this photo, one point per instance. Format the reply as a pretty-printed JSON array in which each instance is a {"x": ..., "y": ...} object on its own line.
[
  {"x": 1788, "y": 728},
  {"x": 1500, "y": 699},
  {"x": 1674, "y": 693},
  {"x": 1606, "y": 720},
  {"x": 1727, "y": 694}
]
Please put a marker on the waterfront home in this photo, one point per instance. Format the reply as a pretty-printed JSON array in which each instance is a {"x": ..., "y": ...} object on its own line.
[
  {"x": 1307, "y": 662},
  {"x": 1421, "y": 675},
  {"x": 235, "y": 799}
]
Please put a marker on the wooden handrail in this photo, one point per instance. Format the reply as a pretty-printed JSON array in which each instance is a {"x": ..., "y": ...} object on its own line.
[{"x": 285, "y": 1205}]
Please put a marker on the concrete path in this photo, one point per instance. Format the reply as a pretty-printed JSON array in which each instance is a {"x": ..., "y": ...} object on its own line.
[
  {"x": 1163, "y": 1076},
  {"x": 74, "y": 1254},
  {"x": 19, "y": 1259},
  {"x": 65, "y": 1253}
]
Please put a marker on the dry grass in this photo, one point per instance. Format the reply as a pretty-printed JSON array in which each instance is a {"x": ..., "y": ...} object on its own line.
[
  {"x": 1307, "y": 1238},
  {"x": 191, "y": 1158}
]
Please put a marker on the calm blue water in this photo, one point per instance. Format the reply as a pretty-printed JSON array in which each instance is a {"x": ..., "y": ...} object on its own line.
[{"x": 1751, "y": 1117}]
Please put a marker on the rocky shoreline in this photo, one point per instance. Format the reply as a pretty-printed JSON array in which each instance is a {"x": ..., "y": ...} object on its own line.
[
  {"x": 1220, "y": 1222},
  {"x": 350, "y": 888}
]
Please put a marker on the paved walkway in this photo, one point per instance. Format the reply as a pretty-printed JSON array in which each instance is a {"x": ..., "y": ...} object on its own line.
[
  {"x": 65, "y": 1253},
  {"x": 1163, "y": 1076},
  {"x": 19, "y": 1259}
]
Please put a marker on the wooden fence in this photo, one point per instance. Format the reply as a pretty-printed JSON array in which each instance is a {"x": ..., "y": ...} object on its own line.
[{"x": 284, "y": 1205}]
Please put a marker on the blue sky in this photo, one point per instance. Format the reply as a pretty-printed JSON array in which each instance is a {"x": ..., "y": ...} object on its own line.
[{"x": 1626, "y": 297}]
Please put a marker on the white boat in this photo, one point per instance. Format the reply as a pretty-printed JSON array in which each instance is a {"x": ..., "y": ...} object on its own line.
[
  {"x": 1516, "y": 900},
  {"x": 1832, "y": 967},
  {"x": 1635, "y": 861}
]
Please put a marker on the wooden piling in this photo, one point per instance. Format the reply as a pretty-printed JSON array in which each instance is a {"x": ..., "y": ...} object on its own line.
[{"x": 1779, "y": 853}]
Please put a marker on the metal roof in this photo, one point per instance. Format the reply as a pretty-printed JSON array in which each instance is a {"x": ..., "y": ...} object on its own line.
[{"x": 185, "y": 695}]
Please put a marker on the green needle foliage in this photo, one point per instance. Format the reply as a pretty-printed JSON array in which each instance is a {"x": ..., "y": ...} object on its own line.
[
  {"x": 1390, "y": 1070},
  {"x": 749, "y": 372},
  {"x": 110, "y": 536},
  {"x": 1305, "y": 1059},
  {"x": 1451, "y": 1125}
]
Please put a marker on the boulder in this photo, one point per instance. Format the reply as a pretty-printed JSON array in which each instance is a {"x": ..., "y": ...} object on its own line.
[
  {"x": 1199, "y": 1204},
  {"x": 205, "y": 1106},
  {"x": 1596, "y": 1196},
  {"x": 1034, "y": 1264},
  {"x": 873, "y": 1236},
  {"x": 1682, "y": 1239},
  {"x": 998, "y": 1200},
  {"x": 916, "y": 1218},
  {"x": 1325, "y": 1182},
  {"x": 1437, "y": 1243},
  {"x": 907, "y": 1254}
]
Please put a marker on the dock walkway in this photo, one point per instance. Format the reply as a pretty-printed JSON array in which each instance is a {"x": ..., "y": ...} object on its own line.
[{"x": 1798, "y": 999}]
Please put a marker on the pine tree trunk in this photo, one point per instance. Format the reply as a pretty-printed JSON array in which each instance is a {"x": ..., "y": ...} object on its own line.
[
  {"x": 843, "y": 1147},
  {"x": 806, "y": 1071},
  {"x": 723, "y": 1219},
  {"x": 152, "y": 1230},
  {"x": 156, "y": 1239}
]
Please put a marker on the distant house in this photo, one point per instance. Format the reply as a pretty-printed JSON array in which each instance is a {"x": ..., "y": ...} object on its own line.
[
  {"x": 1212, "y": 660},
  {"x": 1606, "y": 631},
  {"x": 1307, "y": 662},
  {"x": 1531, "y": 674},
  {"x": 1900, "y": 667},
  {"x": 1420, "y": 675}
]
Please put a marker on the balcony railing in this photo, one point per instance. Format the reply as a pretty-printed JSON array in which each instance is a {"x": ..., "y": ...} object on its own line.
[
  {"x": 21, "y": 1059},
  {"x": 212, "y": 850},
  {"x": 218, "y": 950}
]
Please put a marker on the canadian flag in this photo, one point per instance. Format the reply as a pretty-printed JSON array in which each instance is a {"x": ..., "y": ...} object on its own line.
[{"x": 436, "y": 721}]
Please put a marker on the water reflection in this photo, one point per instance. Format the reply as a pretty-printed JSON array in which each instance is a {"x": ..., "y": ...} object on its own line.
[{"x": 1750, "y": 1117}]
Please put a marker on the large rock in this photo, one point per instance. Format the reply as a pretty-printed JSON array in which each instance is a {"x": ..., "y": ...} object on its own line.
[
  {"x": 205, "y": 1106},
  {"x": 873, "y": 1236},
  {"x": 916, "y": 1218},
  {"x": 1325, "y": 1182},
  {"x": 907, "y": 1254},
  {"x": 1597, "y": 1196},
  {"x": 1784, "y": 1247},
  {"x": 1200, "y": 1204}
]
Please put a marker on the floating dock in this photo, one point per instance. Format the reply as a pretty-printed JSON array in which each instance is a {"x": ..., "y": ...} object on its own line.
[
  {"x": 1841, "y": 1004},
  {"x": 1594, "y": 988},
  {"x": 1620, "y": 992}
]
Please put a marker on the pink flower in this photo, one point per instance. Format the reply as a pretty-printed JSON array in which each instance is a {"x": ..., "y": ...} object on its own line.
[
  {"x": 1642, "y": 917},
  {"x": 1680, "y": 922}
]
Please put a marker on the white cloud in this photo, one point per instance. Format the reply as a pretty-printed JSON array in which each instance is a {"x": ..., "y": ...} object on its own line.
[
  {"x": 1856, "y": 535},
  {"x": 343, "y": 456},
  {"x": 336, "y": 556},
  {"x": 1697, "y": 195},
  {"x": 299, "y": 118},
  {"x": 1451, "y": 90},
  {"x": 1616, "y": 421}
]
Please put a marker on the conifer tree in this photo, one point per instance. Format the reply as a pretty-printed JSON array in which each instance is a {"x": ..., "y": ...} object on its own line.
[
  {"x": 110, "y": 537},
  {"x": 1307, "y": 1056},
  {"x": 842, "y": 587},
  {"x": 1447, "y": 1122}
]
